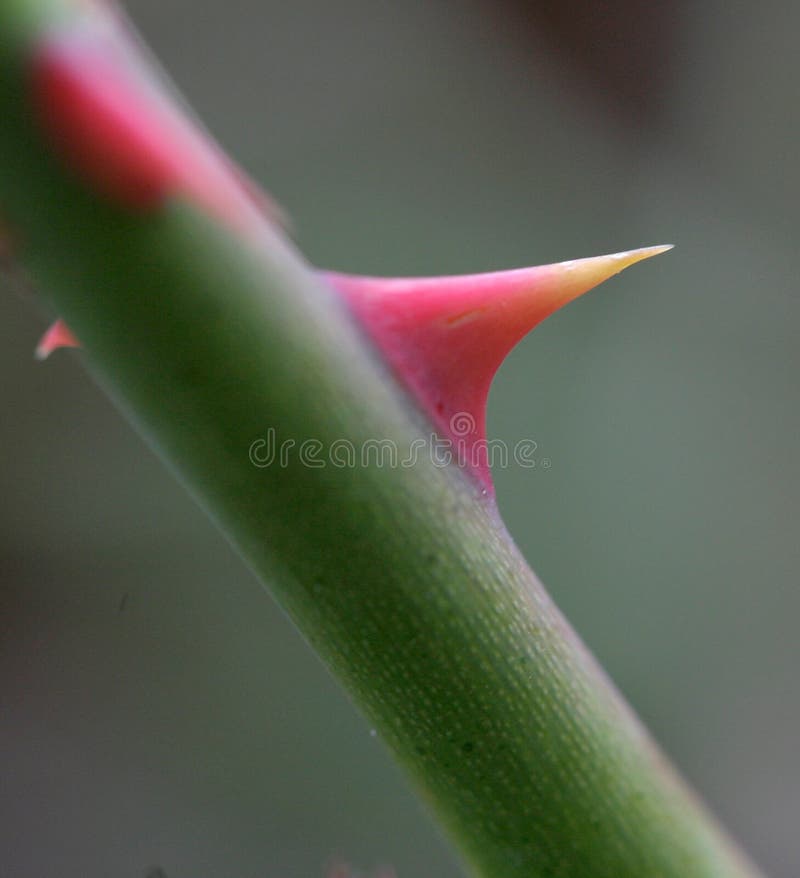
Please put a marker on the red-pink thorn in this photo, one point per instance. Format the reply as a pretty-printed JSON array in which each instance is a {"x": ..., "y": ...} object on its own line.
[
  {"x": 446, "y": 337},
  {"x": 57, "y": 336}
]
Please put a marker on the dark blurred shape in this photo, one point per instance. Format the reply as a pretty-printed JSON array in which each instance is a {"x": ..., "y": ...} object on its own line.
[{"x": 626, "y": 50}]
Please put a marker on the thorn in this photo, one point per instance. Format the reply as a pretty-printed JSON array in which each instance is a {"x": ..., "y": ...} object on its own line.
[
  {"x": 57, "y": 336},
  {"x": 446, "y": 337}
]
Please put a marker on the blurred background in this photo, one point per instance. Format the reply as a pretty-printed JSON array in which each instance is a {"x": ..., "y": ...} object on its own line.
[{"x": 157, "y": 709}]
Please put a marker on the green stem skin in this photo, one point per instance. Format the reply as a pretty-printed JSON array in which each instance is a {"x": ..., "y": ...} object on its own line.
[{"x": 402, "y": 578}]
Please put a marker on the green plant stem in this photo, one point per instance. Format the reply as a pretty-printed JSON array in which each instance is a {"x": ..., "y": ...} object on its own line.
[{"x": 403, "y": 579}]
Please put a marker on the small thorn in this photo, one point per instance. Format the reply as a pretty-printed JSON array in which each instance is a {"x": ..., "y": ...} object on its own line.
[{"x": 57, "y": 336}]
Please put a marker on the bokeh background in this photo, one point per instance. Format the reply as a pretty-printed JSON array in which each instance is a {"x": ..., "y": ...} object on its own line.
[{"x": 156, "y": 707}]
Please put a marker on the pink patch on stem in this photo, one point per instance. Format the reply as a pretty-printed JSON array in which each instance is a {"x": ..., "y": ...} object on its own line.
[
  {"x": 446, "y": 337},
  {"x": 122, "y": 132}
]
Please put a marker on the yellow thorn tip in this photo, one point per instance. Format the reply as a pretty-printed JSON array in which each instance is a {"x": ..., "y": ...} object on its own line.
[{"x": 578, "y": 276}]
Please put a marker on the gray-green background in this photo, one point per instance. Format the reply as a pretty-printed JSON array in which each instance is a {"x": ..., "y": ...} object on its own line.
[{"x": 157, "y": 708}]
